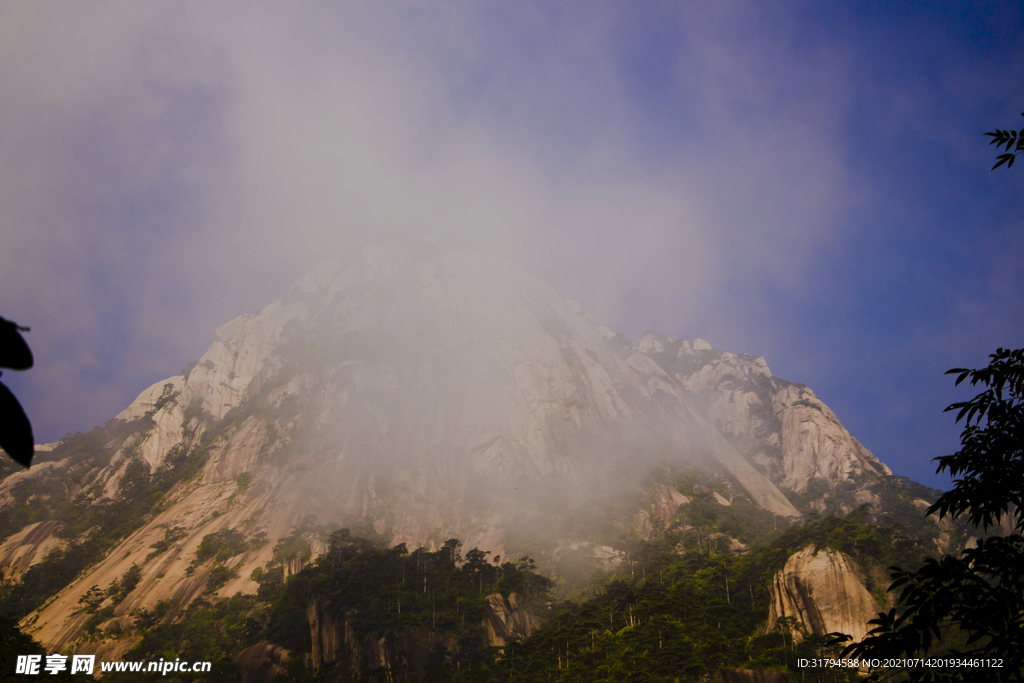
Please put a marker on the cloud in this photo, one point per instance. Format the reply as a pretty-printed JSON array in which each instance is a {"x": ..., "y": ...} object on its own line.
[
  {"x": 703, "y": 169},
  {"x": 173, "y": 170}
]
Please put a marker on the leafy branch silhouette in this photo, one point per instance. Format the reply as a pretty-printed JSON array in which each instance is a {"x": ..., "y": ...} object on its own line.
[
  {"x": 15, "y": 429},
  {"x": 1011, "y": 140}
]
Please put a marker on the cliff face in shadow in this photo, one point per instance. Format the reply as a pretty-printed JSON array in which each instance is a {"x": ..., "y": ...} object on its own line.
[{"x": 336, "y": 648}]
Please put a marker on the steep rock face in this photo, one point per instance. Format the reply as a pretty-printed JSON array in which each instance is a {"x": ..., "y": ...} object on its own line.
[
  {"x": 335, "y": 647},
  {"x": 36, "y": 475},
  {"x": 334, "y": 643},
  {"x": 505, "y": 619},
  {"x": 446, "y": 379},
  {"x": 153, "y": 446},
  {"x": 331, "y": 638},
  {"x": 26, "y": 548},
  {"x": 821, "y": 591},
  {"x": 782, "y": 427},
  {"x": 816, "y": 445}
]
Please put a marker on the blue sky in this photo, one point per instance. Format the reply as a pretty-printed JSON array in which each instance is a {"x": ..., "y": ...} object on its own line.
[{"x": 802, "y": 182}]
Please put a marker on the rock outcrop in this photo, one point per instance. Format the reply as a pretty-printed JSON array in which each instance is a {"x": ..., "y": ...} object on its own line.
[
  {"x": 815, "y": 444},
  {"x": 26, "y": 548},
  {"x": 781, "y": 427},
  {"x": 336, "y": 647},
  {"x": 332, "y": 639},
  {"x": 667, "y": 501},
  {"x": 821, "y": 592},
  {"x": 505, "y": 620}
]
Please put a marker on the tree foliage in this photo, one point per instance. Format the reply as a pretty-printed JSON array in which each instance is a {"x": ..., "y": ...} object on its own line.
[
  {"x": 676, "y": 609},
  {"x": 969, "y": 607},
  {"x": 989, "y": 467},
  {"x": 14, "y": 643}
]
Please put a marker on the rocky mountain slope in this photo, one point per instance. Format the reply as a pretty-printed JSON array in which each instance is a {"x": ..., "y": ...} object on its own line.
[{"x": 422, "y": 396}]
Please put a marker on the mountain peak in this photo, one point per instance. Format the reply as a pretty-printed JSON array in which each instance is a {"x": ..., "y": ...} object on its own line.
[{"x": 428, "y": 395}]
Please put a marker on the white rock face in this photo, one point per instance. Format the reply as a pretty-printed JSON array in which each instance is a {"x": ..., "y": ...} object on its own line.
[
  {"x": 788, "y": 433},
  {"x": 816, "y": 445},
  {"x": 455, "y": 370},
  {"x": 727, "y": 388},
  {"x": 150, "y": 399},
  {"x": 26, "y": 548},
  {"x": 822, "y": 593}
]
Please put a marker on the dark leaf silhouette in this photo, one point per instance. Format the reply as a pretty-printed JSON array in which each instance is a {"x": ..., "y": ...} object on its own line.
[
  {"x": 15, "y": 429},
  {"x": 1010, "y": 140},
  {"x": 14, "y": 352}
]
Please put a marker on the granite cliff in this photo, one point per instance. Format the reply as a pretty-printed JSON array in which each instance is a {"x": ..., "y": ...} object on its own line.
[
  {"x": 781, "y": 427},
  {"x": 821, "y": 592}
]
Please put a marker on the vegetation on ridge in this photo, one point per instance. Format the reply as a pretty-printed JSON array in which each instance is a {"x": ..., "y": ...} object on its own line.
[{"x": 90, "y": 528}]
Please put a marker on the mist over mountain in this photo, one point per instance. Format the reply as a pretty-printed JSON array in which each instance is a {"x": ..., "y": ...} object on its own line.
[{"x": 418, "y": 395}]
